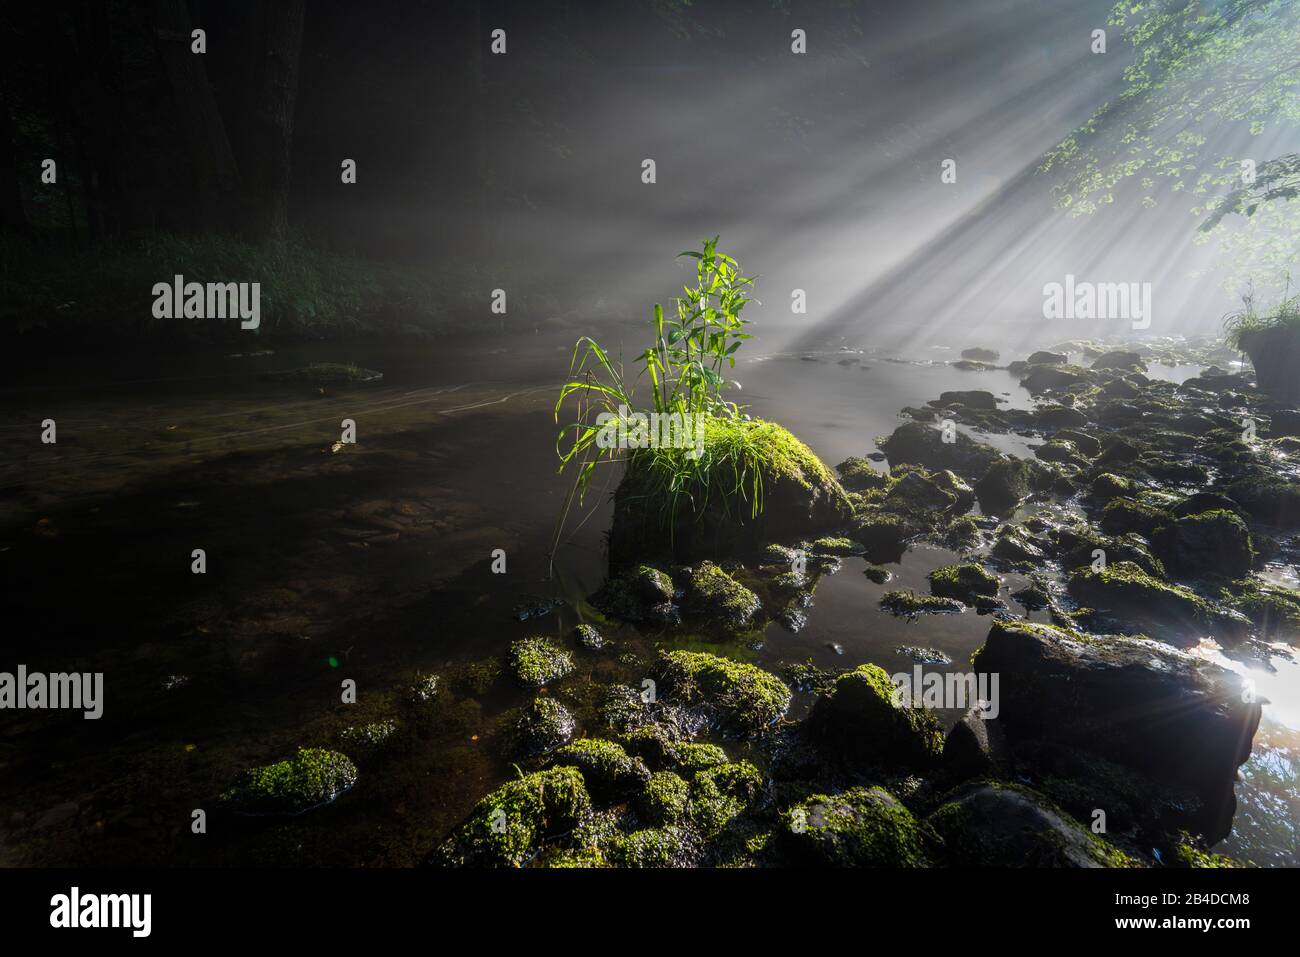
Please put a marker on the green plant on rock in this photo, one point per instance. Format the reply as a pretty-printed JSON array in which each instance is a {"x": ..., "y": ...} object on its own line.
[{"x": 686, "y": 366}]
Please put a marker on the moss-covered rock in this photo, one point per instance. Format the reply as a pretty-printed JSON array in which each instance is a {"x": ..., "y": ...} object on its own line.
[
  {"x": 743, "y": 698},
  {"x": 1274, "y": 610},
  {"x": 720, "y": 794},
  {"x": 1108, "y": 486},
  {"x": 538, "y": 661},
  {"x": 606, "y": 768},
  {"x": 883, "y": 534},
  {"x": 877, "y": 574},
  {"x": 543, "y": 726},
  {"x": 836, "y": 546},
  {"x": 859, "y": 475},
  {"x": 655, "y": 847},
  {"x": 663, "y": 800},
  {"x": 963, "y": 582},
  {"x": 909, "y": 604},
  {"x": 1172, "y": 716},
  {"x": 1214, "y": 544},
  {"x": 712, "y": 593},
  {"x": 508, "y": 826},
  {"x": 1125, "y": 592},
  {"x": 1123, "y": 515},
  {"x": 862, "y": 827},
  {"x": 311, "y": 778},
  {"x": 369, "y": 742},
  {"x": 589, "y": 637},
  {"x": 1004, "y": 485},
  {"x": 862, "y": 720},
  {"x": 916, "y": 443},
  {"x": 711, "y": 513},
  {"x": 995, "y": 824},
  {"x": 1079, "y": 544},
  {"x": 1015, "y": 545}
]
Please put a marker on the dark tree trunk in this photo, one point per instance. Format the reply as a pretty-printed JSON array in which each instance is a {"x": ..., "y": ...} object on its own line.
[
  {"x": 101, "y": 92},
  {"x": 216, "y": 174},
  {"x": 277, "y": 35}
]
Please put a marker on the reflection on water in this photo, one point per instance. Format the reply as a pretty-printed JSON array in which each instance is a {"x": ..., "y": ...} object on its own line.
[{"x": 373, "y": 561}]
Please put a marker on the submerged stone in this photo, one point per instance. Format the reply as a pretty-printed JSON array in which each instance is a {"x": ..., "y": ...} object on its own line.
[
  {"x": 544, "y": 726},
  {"x": 311, "y": 778}
]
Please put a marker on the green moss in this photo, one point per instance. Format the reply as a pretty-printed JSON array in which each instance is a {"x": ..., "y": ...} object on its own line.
[
  {"x": 1123, "y": 515},
  {"x": 909, "y": 604},
  {"x": 606, "y": 767},
  {"x": 1273, "y": 609},
  {"x": 543, "y": 726},
  {"x": 423, "y": 691},
  {"x": 962, "y": 582},
  {"x": 863, "y": 720},
  {"x": 654, "y": 586},
  {"x": 368, "y": 741},
  {"x": 538, "y": 661},
  {"x": 962, "y": 534},
  {"x": 1214, "y": 543},
  {"x": 858, "y": 475},
  {"x": 1122, "y": 588},
  {"x": 1108, "y": 485},
  {"x": 475, "y": 677},
  {"x": 663, "y": 800},
  {"x": 712, "y": 593},
  {"x": 1187, "y": 854},
  {"x": 718, "y": 795},
  {"x": 691, "y": 756},
  {"x": 739, "y": 458},
  {"x": 654, "y": 847},
  {"x": 877, "y": 574},
  {"x": 312, "y": 777},
  {"x": 863, "y": 827},
  {"x": 746, "y": 698},
  {"x": 508, "y": 827},
  {"x": 836, "y": 546}
]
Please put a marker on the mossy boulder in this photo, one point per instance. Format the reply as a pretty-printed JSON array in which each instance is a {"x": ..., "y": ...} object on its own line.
[
  {"x": 1004, "y": 485},
  {"x": 655, "y": 847},
  {"x": 862, "y": 720},
  {"x": 713, "y": 594},
  {"x": 862, "y": 827},
  {"x": 963, "y": 582},
  {"x": 1014, "y": 544},
  {"x": 1108, "y": 486},
  {"x": 859, "y": 475},
  {"x": 606, "y": 768},
  {"x": 310, "y": 779},
  {"x": 719, "y": 795},
  {"x": 711, "y": 513},
  {"x": 508, "y": 827},
  {"x": 970, "y": 398},
  {"x": 543, "y": 726},
  {"x": 1080, "y": 544},
  {"x": 1214, "y": 544},
  {"x": 996, "y": 824},
  {"x": 909, "y": 604},
  {"x": 1126, "y": 593},
  {"x": 538, "y": 661},
  {"x": 883, "y": 534},
  {"x": 369, "y": 742},
  {"x": 1174, "y": 717},
  {"x": 1123, "y": 515},
  {"x": 1269, "y": 499},
  {"x": 663, "y": 800},
  {"x": 1273, "y": 609},
  {"x": 917, "y": 443},
  {"x": 742, "y": 698}
]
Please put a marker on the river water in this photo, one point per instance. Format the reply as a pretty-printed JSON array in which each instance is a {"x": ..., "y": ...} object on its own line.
[{"x": 373, "y": 562}]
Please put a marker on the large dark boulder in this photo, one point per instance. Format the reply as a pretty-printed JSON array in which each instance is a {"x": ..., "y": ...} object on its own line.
[{"x": 1135, "y": 701}]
